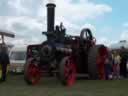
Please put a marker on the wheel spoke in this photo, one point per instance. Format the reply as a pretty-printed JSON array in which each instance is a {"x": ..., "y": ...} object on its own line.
[{"x": 66, "y": 71}]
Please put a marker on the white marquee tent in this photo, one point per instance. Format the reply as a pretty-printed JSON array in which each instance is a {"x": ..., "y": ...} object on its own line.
[{"x": 118, "y": 45}]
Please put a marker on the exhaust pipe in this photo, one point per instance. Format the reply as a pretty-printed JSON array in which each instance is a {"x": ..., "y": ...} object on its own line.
[{"x": 50, "y": 16}]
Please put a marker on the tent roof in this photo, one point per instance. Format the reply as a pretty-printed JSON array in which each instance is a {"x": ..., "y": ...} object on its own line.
[{"x": 118, "y": 45}]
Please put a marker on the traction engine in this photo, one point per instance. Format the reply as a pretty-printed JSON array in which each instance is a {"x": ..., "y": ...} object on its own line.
[{"x": 64, "y": 56}]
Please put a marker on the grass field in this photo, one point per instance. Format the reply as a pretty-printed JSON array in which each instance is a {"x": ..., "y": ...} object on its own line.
[{"x": 15, "y": 86}]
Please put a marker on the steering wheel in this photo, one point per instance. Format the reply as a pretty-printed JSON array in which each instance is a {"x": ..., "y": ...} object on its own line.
[{"x": 86, "y": 34}]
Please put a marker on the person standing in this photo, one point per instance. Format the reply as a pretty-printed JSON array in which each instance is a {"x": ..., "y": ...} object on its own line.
[
  {"x": 116, "y": 64},
  {"x": 123, "y": 67},
  {"x": 108, "y": 67},
  {"x": 4, "y": 61}
]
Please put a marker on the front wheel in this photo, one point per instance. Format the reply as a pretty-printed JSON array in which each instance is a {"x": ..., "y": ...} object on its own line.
[
  {"x": 31, "y": 73},
  {"x": 67, "y": 71}
]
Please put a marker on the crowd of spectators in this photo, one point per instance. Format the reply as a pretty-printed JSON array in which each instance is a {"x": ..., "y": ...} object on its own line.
[{"x": 116, "y": 64}]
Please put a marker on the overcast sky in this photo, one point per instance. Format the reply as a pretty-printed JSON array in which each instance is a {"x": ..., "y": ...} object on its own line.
[{"x": 107, "y": 19}]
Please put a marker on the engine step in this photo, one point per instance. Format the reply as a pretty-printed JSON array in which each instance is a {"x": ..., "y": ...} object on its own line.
[{"x": 82, "y": 75}]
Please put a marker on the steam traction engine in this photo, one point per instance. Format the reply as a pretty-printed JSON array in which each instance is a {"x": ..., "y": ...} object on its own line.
[{"x": 64, "y": 55}]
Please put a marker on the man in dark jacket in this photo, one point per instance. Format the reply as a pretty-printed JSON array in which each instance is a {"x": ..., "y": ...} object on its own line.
[
  {"x": 123, "y": 68},
  {"x": 4, "y": 61}
]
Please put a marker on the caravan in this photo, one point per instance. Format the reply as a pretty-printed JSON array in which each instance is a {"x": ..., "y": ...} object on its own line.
[{"x": 17, "y": 59}]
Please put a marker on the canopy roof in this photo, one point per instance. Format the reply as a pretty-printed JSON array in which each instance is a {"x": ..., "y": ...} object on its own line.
[{"x": 7, "y": 33}]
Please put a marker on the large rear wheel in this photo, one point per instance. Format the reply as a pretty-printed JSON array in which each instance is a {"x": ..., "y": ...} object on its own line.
[
  {"x": 67, "y": 71},
  {"x": 96, "y": 62}
]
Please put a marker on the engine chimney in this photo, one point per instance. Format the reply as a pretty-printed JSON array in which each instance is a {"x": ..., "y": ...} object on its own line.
[{"x": 50, "y": 16}]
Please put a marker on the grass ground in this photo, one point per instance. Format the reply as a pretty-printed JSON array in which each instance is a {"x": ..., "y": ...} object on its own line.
[{"x": 15, "y": 86}]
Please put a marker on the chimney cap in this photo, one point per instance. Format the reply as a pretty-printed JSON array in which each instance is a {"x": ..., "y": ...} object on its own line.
[{"x": 50, "y": 5}]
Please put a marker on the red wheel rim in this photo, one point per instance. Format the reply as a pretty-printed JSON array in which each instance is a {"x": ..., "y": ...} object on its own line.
[
  {"x": 101, "y": 57},
  {"x": 33, "y": 74},
  {"x": 70, "y": 72}
]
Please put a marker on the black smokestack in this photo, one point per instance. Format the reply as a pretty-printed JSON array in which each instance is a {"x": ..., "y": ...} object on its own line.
[{"x": 50, "y": 16}]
